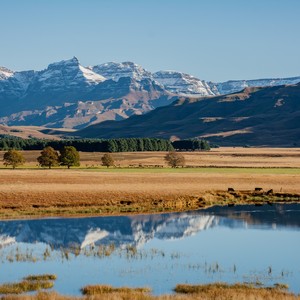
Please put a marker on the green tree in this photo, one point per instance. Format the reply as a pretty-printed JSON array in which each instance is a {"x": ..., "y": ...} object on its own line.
[
  {"x": 107, "y": 160},
  {"x": 48, "y": 158},
  {"x": 175, "y": 159},
  {"x": 13, "y": 158},
  {"x": 69, "y": 157}
]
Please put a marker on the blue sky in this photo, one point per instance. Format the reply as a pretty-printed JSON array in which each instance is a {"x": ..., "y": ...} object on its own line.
[{"x": 214, "y": 40}]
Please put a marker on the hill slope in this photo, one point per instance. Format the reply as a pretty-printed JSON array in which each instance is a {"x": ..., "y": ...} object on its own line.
[{"x": 256, "y": 116}]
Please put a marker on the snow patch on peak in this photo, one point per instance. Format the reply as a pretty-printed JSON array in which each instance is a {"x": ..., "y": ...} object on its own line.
[
  {"x": 233, "y": 86},
  {"x": 115, "y": 71},
  {"x": 68, "y": 72},
  {"x": 5, "y": 73},
  {"x": 183, "y": 84},
  {"x": 91, "y": 76}
]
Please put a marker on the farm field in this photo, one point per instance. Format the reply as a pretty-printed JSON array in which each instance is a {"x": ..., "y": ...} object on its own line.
[{"x": 92, "y": 189}]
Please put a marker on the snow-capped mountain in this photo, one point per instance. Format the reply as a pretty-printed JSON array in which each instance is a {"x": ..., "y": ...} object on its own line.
[
  {"x": 5, "y": 73},
  {"x": 183, "y": 84},
  {"x": 67, "y": 74},
  {"x": 67, "y": 94},
  {"x": 233, "y": 86},
  {"x": 14, "y": 84},
  {"x": 115, "y": 71}
]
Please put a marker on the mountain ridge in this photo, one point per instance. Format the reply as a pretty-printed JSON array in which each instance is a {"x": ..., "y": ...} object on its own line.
[
  {"x": 67, "y": 94},
  {"x": 267, "y": 116}
]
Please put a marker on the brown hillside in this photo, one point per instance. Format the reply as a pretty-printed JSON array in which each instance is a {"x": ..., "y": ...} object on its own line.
[{"x": 255, "y": 116}]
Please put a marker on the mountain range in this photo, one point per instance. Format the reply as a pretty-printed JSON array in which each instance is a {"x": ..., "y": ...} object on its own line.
[
  {"x": 69, "y": 95},
  {"x": 267, "y": 116}
]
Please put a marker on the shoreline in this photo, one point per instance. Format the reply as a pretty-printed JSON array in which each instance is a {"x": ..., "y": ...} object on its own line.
[
  {"x": 83, "y": 192},
  {"x": 119, "y": 207}
]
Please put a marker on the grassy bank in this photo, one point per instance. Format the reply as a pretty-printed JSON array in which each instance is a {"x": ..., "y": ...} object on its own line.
[
  {"x": 37, "y": 193},
  {"x": 142, "y": 183}
]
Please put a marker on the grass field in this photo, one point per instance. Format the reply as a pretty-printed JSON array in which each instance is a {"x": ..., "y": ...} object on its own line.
[
  {"x": 220, "y": 157},
  {"x": 92, "y": 189}
]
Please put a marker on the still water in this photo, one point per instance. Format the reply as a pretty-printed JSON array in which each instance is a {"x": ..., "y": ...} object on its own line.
[{"x": 229, "y": 244}]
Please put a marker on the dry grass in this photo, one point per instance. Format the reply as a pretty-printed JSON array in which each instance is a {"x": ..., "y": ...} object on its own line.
[
  {"x": 29, "y": 284},
  {"x": 220, "y": 157},
  {"x": 43, "y": 277},
  {"x": 25, "y": 286},
  {"x": 223, "y": 291},
  {"x": 100, "y": 191},
  {"x": 78, "y": 192},
  {"x": 107, "y": 289},
  {"x": 217, "y": 291},
  {"x": 26, "y": 132}
]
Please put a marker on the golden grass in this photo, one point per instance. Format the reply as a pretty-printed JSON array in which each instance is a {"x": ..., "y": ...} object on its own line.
[
  {"x": 101, "y": 191},
  {"x": 29, "y": 284},
  {"x": 224, "y": 291},
  {"x": 26, "y": 132},
  {"x": 25, "y": 286},
  {"x": 216, "y": 291},
  {"x": 107, "y": 289},
  {"x": 220, "y": 157},
  {"x": 78, "y": 192}
]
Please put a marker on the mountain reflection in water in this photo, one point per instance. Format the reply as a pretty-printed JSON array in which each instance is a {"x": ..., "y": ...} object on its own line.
[
  {"x": 139, "y": 229},
  {"x": 231, "y": 244}
]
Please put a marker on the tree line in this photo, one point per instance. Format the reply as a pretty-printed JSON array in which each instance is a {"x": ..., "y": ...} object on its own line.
[
  {"x": 104, "y": 145},
  {"x": 191, "y": 145},
  {"x": 89, "y": 145},
  {"x": 69, "y": 156}
]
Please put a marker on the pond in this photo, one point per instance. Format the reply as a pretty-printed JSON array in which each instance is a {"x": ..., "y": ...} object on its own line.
[{"x": 229, "y": 244}]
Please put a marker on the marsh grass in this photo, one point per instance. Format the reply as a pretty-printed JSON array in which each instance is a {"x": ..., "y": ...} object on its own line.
[
  {"x": 214, "y": 291},
  {"x": 29, "y": 283},
  {"x": 108, "y": 289},
  {"x": 238, "y": 291},
  {"x": 43, "y": 277},
  {"x": 25, "y": 286}
]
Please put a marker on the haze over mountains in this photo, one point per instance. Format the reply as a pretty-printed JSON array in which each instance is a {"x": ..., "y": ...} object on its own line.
[{"x": 69, "y": 95}]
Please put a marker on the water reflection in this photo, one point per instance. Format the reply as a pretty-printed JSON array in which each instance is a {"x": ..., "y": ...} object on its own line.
[
  {"x": 231, "y": 244},
  {"x": 138, "y": 230}
]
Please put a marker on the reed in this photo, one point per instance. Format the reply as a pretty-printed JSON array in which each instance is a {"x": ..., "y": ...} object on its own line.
[
  {"x": 25, "y": 286},
  {"x": 108, "y": 289},
  {"x": 43, "y": 277}
]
